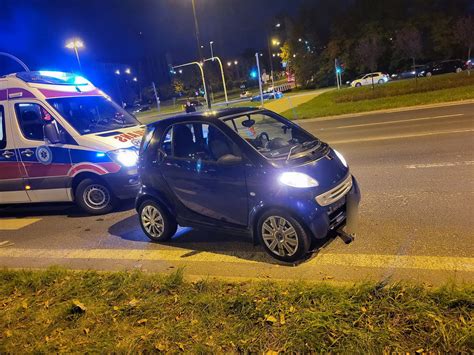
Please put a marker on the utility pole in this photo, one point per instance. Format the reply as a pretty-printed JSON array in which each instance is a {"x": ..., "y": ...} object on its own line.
[{"x": 196, "y": 30}]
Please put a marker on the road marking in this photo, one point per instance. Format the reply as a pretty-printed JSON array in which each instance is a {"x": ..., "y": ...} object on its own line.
[
  {"x": 439, "y": 165},
  {"x": 415, "y": 135},
  {"x": 443, "y": 263},
  {"x": 396, "y": 121},
  {"x": 16, "y": 223}
]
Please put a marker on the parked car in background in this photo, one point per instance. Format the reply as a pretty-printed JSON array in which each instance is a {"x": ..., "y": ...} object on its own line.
[
  {"x": 138, "y": 107},
  {"x": 408, "y": 72},
  {"x": 370, "y": 78},
  {"x": 444, "y": 67},
  {"x": 268, "y": 96},
  {"x": 245, "y": 94}
]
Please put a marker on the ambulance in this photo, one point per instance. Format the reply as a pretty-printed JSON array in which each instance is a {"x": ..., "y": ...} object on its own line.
[{"x": 64, "y": 140}]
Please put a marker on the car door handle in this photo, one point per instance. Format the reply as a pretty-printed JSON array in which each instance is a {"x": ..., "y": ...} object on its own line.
[
  {"x": 8, "y": 154},
  {"x": 27, "y": 153}
]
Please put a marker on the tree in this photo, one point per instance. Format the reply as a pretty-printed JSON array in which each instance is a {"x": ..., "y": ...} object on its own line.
[
  {"x": 368, "y": 51},
  {"x": 408, "y": 45},
  {"x": 464, "y": 31},
  {"x": 178, "y": 86}
]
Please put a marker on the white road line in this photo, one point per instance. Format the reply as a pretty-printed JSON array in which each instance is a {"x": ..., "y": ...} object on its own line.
[
  {"x": 415, "y": 135},
  {"x": 439, "y": 165},
  {"x": 396, "y": 121}
]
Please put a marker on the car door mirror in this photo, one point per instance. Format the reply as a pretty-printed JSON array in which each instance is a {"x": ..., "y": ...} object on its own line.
[
  {"x": 51, "y": 133},
  {"x": 229, "y": 159}
]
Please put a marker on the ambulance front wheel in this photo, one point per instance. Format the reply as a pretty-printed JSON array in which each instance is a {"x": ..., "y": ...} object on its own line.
[{"x": 94, "y": 196}]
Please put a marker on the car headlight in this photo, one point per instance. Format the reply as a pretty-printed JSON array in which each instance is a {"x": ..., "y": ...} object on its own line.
[
  {"x": 125, "y": 157},
  {"x": 341, "y": 158},
  {"x": 299, "y": 180}
]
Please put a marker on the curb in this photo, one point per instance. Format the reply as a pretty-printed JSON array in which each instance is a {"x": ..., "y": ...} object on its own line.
[{"x": 393, "y": 110}]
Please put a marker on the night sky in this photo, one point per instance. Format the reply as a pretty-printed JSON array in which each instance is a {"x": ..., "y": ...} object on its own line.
[{"x": 120, "y": 31}]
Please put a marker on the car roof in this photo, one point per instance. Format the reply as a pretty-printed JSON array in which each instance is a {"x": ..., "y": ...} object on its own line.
[{"x": 208, "y": 114}]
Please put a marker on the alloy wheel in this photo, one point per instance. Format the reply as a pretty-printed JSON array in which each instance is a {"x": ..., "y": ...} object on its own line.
[
  {"x": 280, "y": 236},
  {"x": 152, "y": 221}
]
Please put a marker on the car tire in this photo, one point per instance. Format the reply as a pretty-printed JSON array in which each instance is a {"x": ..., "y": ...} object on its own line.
[
  {"x": 282, "y": 236},
  {"x": 358, "y": 85},
  {"x": 380, "y": 81},
  {"x": 429, "y": 74},
  {"x": 156, "y": 222},
  {"x": 94, "y": 197},
  {"x": 458, "y": 70}
]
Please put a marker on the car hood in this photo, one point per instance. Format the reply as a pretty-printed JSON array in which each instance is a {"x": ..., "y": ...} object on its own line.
[
  {"x": 328, "y": 170},
  {"x": 111, "y": 140}
]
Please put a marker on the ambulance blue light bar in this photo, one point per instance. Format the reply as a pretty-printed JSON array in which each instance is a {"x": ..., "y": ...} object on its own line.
[{"x": 53, "y": 78}]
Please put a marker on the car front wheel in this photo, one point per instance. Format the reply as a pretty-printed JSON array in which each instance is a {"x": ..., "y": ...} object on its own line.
[
  {"x": 282, "y": 236},
  {"x": 157, "y": 224},
  {"x": 358, "y": 85}
]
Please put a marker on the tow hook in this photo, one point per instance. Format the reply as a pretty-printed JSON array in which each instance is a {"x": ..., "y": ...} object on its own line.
[{"x": 346, "y": 238}]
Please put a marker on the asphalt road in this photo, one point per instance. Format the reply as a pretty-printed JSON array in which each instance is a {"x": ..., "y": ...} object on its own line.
[{"x": 416, "y": 173}]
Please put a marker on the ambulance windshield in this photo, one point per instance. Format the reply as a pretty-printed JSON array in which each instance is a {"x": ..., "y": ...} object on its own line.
[{"x": 92, "y": 114}]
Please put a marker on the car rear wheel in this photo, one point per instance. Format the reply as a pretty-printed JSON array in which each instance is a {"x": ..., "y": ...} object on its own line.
[
  {"x": 282, "y": 236},
  {"x": 381, "y": 81},
  {"x": 458, "y": 70},
  {"x": 358, "y": 85},
  {"x": 429, "y": 74},
  {"x": 157, "y": 224},
  {"x": 94, "y": 197}
]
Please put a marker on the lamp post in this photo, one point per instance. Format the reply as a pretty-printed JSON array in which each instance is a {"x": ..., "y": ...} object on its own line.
[
  {"x": 222, "y": 75},
  {"x": 196, "y": 30},
  {"x": 76, "y": 44},
  {"x": 212, "y": 52},
  {"x": 203, "y": 78}
]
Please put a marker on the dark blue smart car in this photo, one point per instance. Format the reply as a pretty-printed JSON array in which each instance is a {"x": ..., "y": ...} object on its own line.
[{"x": 245, "y": 170}]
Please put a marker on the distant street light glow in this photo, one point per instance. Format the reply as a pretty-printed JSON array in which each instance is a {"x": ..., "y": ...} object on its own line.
[
  {"x": 236, "y": 62},
  {"x": 127, "y": 71},
  {"x": 117, "y": 72},
  {"x": 229, "y": 64},
  {"x": 135, "y": 79},
  {"x": 76, "y": 44}
]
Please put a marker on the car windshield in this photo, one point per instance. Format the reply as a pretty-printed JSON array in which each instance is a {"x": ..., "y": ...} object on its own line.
[
  {"x": 271, "y": 135},
  {"x": 92, "y": 114}
]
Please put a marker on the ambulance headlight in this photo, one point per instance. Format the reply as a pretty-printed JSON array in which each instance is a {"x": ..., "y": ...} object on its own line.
[{"x": 125, "y": 157}]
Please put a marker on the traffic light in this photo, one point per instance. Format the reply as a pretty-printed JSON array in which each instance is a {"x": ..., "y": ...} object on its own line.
[{"x": 253, "y": 74}]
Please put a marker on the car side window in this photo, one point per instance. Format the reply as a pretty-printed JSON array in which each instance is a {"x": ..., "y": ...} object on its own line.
[
  {"x": 198, "y": 141},
  {"x": 3, "y": 133},
  {"x": 31, "y": 118}
]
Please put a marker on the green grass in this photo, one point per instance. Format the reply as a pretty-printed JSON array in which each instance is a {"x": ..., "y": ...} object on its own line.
[
  {"x": 444, "y": 88},
  {"x": 64, "y": 311}
]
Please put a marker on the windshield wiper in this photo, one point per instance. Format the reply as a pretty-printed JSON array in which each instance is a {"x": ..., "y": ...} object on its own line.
[{"x": 302, "y": 145}]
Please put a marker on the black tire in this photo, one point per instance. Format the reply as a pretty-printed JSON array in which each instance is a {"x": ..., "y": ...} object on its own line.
[
  {"x": 381, "y": 81},
  {"x": 94, "y": 197},
  {"x": 159, "y": 228},
  {"x": 428, "y": 75},
  {"x": 458, "y": 70},
  {"x": 357, "y": 85},
  {"x": 300, "y": 240}
]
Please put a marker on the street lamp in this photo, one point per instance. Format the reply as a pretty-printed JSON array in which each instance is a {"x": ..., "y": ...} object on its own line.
[
  {"x": 117, "y": 72},
  {"x": 229, "y": 64},
  {"x": 236, "y": 62},
  {"x": 76, "y": 44},
  {"x": 135, "y": 79},
  {"x": 127, "y": 71},
  {"x": 212, "y": 52}
]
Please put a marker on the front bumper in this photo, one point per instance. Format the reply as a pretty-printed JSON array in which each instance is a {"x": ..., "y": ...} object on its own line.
[
  {"x": 124, "y": 184},
  {"x": 342, "y": 213}
]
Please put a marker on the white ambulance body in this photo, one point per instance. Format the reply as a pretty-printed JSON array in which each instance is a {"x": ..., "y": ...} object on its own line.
[{"x": 62, "y": 139}]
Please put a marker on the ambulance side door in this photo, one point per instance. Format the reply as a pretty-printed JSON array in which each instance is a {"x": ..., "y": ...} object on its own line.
[
  {"x": 47, "y": 165},
  {"x": 12, "y": 173}
]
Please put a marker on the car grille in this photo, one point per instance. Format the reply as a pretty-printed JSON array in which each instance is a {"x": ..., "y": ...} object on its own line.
[{"x": 331, "y": 196}]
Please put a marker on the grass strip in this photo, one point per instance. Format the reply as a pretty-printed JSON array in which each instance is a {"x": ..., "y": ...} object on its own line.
[
  {"x": 446, "y": 88},
  {"x": 65, "y": 311}
]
